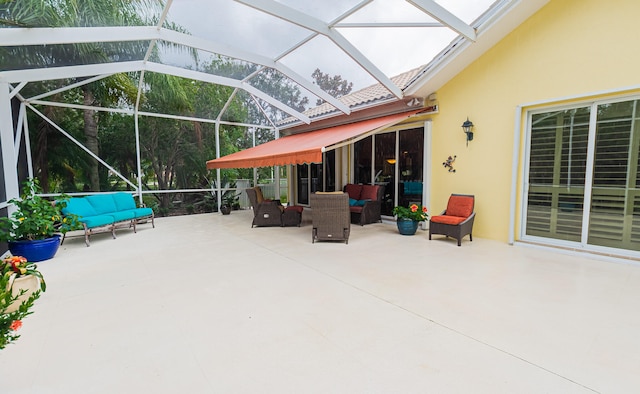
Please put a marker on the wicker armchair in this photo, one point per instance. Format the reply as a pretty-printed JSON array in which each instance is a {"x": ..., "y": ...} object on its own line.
[
  {"x": 271, "y": 212},
  {"x": 265, "y": 212},
  {"x": 330, "y": 217},
  {"x": 368, "y": 203},
  {"x": 457, "y": 220}
]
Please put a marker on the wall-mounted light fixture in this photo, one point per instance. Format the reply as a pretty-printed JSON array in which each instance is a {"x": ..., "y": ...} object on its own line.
[
  {"x": 467, "y": 127},
  {"x": 391, "y": 161}
]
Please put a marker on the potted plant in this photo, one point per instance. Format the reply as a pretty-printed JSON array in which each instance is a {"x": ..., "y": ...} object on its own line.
[
  {"x": 33, "y": 229},
  {"x": 20, "y": 285},
  {"x": 409, "y": 217},
  {"x": 229, "y": 200}
]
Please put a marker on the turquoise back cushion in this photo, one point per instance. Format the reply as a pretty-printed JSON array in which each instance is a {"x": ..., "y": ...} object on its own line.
[
  {"x": 102, "y": 203},
  {"x": 124, "y": 201},
  {"x": 79, "y": 206}
]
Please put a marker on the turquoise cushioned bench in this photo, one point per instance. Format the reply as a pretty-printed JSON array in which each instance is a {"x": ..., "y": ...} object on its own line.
[{"x": 103, "y": 212}]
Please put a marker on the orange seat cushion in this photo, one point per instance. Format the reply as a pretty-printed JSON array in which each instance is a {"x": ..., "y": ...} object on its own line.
[
  {"x": 447, "y": 219},
  {"x": 461, "y": 206}
]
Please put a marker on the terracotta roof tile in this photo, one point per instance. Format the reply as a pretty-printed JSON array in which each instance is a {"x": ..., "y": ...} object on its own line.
[{"x": 368, "y": 95}]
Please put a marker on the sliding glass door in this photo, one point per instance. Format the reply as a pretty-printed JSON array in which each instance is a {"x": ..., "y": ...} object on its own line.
[
  {"x": 582, "y": 182},
  {"x": 394, "y": 160},
  {"x": 557, "y": 173}
]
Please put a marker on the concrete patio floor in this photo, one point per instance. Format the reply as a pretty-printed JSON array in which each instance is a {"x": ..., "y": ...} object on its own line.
[{"x": 206, "y": 304}]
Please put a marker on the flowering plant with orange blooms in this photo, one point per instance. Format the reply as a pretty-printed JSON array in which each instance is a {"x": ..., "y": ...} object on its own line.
[
  {"x": 35, "y": 217},
  {"x": 414, "y": 212},
  {"x": 12, "y": 267},
  {"x": 19, "y": 266}
]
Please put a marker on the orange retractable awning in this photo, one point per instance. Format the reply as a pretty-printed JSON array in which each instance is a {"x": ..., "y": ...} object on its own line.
[{"x": 304, "y": 147}]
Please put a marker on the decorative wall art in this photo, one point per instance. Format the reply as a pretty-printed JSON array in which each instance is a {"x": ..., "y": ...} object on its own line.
[{"x": 448, "y": 164}]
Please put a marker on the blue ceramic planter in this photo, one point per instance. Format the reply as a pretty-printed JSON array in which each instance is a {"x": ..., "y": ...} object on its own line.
[
  {"x": 38, "y": 250},
  {"x": 407, "y": 226}
]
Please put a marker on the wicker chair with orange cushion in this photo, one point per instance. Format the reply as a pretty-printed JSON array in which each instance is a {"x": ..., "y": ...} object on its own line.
[{"x": 457, "y": 220}]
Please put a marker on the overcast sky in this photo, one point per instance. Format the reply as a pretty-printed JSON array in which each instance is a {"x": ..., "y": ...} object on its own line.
[{"x": 393, "y": 50}]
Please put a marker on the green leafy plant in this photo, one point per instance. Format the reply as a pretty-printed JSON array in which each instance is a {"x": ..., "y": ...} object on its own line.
[
  {"x": 11, "y": 268},
  {"x": 36, "y": 217},
  {"x": 413, "y": 212},
  {"x": 230, "y": 198}
]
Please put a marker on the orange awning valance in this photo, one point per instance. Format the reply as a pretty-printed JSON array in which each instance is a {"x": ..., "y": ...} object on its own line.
[{"x": 304, "y": 147}]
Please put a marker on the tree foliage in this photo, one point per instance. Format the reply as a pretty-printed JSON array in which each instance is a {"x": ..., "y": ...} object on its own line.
[
  {"x": 335, "y": 86},
  {"x": 173, "y": 152}
]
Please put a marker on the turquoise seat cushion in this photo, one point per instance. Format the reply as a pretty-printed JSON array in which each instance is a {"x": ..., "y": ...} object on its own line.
[
  {"x": 143, "y": 212},
  {"x": 97, "y": 220},
  {"x": 120, "y": 216},
  {"x": 102, "y": 203},
  {"x": 357, "y": 203},
  {"x": 79, "y": 206},
  {"x": 123, "y": 201}
]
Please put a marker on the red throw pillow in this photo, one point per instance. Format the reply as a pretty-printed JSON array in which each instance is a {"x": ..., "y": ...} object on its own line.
[
  {"x": 353, "y": 190},
  {"x": 461, "y": 206},
  {"x": 369, "y": 192}
]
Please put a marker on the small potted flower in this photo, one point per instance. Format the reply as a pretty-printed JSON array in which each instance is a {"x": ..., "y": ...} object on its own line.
[
  {"x": 34, "y": 229},
  {"x": 409, "y": 217},
  {"x": 20, "y": 285}
]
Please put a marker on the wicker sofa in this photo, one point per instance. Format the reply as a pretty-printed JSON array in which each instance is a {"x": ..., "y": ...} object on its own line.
[
  {"x": 103, "y": 212},
  {"x": 365, "y": 202}
]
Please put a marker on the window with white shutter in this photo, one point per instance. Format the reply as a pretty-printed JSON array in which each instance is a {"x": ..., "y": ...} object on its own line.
[{"x": 563, "y": 145}]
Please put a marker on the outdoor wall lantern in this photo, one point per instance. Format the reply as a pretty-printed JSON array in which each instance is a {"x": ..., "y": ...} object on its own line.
[{"x": 467, "y": 127}]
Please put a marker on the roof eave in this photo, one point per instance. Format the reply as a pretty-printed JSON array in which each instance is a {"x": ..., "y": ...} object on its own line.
[{"x": 495, "y": 24}]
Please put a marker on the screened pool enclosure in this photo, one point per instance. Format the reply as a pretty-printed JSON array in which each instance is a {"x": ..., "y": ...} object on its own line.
[{"x": 103, "y": 81}]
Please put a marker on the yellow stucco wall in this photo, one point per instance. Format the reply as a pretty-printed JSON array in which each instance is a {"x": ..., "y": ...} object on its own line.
[{"x": 568, "y": 48}]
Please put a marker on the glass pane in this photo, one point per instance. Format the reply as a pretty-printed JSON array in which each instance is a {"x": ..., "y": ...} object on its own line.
[
  {"x": 557, "y": 163},
  {"x": 43, "y": 56},
  {"x": 330, "y": 171},
  {"x": 362, "y": 161},
  {"x": 614, "y": 206},
  {"x": 325, "y": 10},
  {"x": 385, "y": 167},
  {"x": 410, "y": 164},
  {"x": 303, "y": 183},
  {"x": 316, "y": 177},
  {"x": 280, "y": 87},
  {"x": 235, "y": 25},
  {"x": 612, "y": 148}
]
